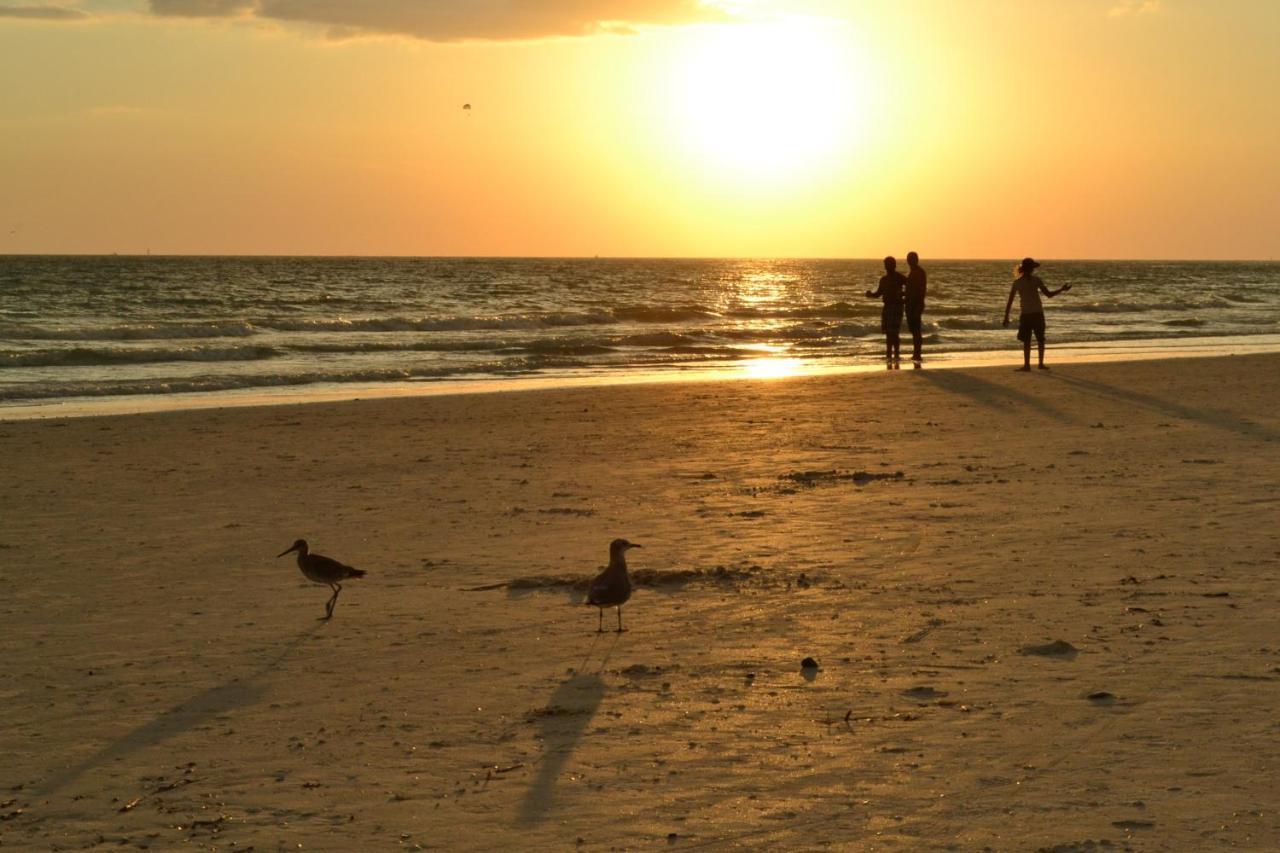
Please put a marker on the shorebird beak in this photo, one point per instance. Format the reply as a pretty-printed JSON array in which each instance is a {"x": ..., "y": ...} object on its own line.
[
  {"x": 631, "y": 545},
  {"x": 286, "y": 551}
]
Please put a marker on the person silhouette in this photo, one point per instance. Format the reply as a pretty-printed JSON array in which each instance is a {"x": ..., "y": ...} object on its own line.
[
  {"x": 1028, "y": 288},
  {"x": 917, "y": 286},
  {"x": 892, "y": 286}
]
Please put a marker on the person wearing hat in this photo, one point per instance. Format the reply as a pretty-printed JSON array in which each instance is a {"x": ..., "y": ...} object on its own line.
[{"x": 1028, "y": 288}]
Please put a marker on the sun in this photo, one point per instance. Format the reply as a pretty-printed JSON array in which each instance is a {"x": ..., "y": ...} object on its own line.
[{"x": 773, "y": 100}]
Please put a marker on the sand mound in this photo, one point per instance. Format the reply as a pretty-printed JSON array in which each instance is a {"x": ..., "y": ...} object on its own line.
[
  {"x": 818, "y": 478},
  {"x": 1056, "y": 649}
]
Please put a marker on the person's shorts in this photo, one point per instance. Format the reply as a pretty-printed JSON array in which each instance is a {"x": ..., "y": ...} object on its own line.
[
  {"x": 915, "y": 313},
  {"x": 1031, "y": 324},
  {"x": 891, "y": 319}
]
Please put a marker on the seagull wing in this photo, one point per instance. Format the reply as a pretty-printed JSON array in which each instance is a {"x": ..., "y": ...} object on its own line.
[{"x": 599, "y": 589}]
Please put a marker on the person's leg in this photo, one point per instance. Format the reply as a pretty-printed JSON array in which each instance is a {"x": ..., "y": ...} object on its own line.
[
  {"x": 1024, "y": 337},
  {"x": 1040, "y": 342},
  {"x": 915, "y": 323}
]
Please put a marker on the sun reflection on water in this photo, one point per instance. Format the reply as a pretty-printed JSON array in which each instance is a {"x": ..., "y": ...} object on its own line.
[
  {"x": 773, "y": 368},
  {"x": 762, "y": 288}
]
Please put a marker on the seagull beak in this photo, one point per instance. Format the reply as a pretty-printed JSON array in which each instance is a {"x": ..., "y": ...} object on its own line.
[{"x": 633, "y": 545}]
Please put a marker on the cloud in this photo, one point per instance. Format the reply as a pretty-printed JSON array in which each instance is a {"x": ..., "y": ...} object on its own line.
[
  {"x": 42, "y": 13},
  {"x": 200, "y": 8},
  {"x": 1134, "y": 7},
  {"x": 457, "y": 20}
]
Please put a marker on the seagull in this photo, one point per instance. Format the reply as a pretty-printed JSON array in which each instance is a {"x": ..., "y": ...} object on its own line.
[
  {"x": 323, "y": 570},
  {"x": 612, "y": 587}
]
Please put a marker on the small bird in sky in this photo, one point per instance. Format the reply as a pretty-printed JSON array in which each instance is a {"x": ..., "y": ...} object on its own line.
[
  {"x": 323, "y": 570},
  {"x": 612, "y": 587}
]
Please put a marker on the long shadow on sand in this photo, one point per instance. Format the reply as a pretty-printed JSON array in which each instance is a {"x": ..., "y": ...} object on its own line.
[
  {"x": 1217, "y": 420},
  {"x": 990, "y": 394},
  {"x": 561, "y": 725},
  {"x": 237, "y": 693}
]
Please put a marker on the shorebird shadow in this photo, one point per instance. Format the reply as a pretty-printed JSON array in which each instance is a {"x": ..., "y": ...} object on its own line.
[
  {"x": 561, "y": 725},
  {"x": 236, "y": 693},
  {"x": 991, "y": 394}
]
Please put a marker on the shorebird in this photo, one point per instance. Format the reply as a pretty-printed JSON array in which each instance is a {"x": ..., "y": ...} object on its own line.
[
  {"x": 323, "y": 570},
  {"x": 612, "y": 587}
]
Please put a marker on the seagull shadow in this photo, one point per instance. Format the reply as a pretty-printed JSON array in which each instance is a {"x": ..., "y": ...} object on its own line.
[
  {"x": 236, "y": 693},
  {"x": 573, "y": 594},
  {"x": 561, "y": 725}
]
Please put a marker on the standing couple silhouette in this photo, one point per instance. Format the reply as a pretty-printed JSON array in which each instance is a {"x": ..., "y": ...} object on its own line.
[{"x": 902, "y": 294}]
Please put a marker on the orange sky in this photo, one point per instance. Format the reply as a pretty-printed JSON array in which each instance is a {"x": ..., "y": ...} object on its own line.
[{"x": 831, "y": 128}]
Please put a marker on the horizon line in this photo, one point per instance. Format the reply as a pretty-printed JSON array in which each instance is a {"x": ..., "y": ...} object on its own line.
[{"x": 520, "y": 257}]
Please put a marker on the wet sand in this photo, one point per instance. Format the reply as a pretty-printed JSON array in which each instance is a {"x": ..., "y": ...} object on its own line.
[{"x": 1043, "y": 608}]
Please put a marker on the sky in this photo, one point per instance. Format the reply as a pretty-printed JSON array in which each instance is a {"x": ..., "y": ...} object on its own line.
[{"x": 642, "y": 128}]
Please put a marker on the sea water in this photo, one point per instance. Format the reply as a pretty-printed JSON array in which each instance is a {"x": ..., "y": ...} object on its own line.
[{"x": 103, "y": 327}]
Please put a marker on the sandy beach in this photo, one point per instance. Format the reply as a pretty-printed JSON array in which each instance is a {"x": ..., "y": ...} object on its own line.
[{"x": 1043, "y": 608}]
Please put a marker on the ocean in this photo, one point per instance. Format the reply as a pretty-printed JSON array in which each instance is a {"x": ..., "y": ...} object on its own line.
[{"x": 82, "y": 327}]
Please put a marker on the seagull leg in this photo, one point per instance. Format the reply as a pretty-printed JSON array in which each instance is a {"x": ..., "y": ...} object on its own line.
[
  {"x": 620, "y": 628},
  {"x": 600, "y": 621}
]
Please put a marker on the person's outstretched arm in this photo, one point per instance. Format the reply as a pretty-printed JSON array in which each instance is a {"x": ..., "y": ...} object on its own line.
[
  {"x": 879, "y": 291},
  {"x": 1008, "y": 305},
  {"x": 1052, "y": 293}
]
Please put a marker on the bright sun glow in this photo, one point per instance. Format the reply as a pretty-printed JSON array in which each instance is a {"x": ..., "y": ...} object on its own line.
[
  {"x": 771, "y": 100},
  {"x": 773, "y": 368}
]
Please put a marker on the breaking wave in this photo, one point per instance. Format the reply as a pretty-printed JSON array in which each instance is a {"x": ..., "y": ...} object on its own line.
[{"x": 88, "y": 357}]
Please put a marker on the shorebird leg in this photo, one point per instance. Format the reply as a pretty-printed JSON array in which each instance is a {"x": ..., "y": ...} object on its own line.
[
  {"x": 600, "y": 621},
  {"x": 332, "y": 602},
  {"x": 620, "y": 628}
]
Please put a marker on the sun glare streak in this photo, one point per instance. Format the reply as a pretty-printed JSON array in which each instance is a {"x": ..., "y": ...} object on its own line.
[{"x": 769, "y": 101}]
